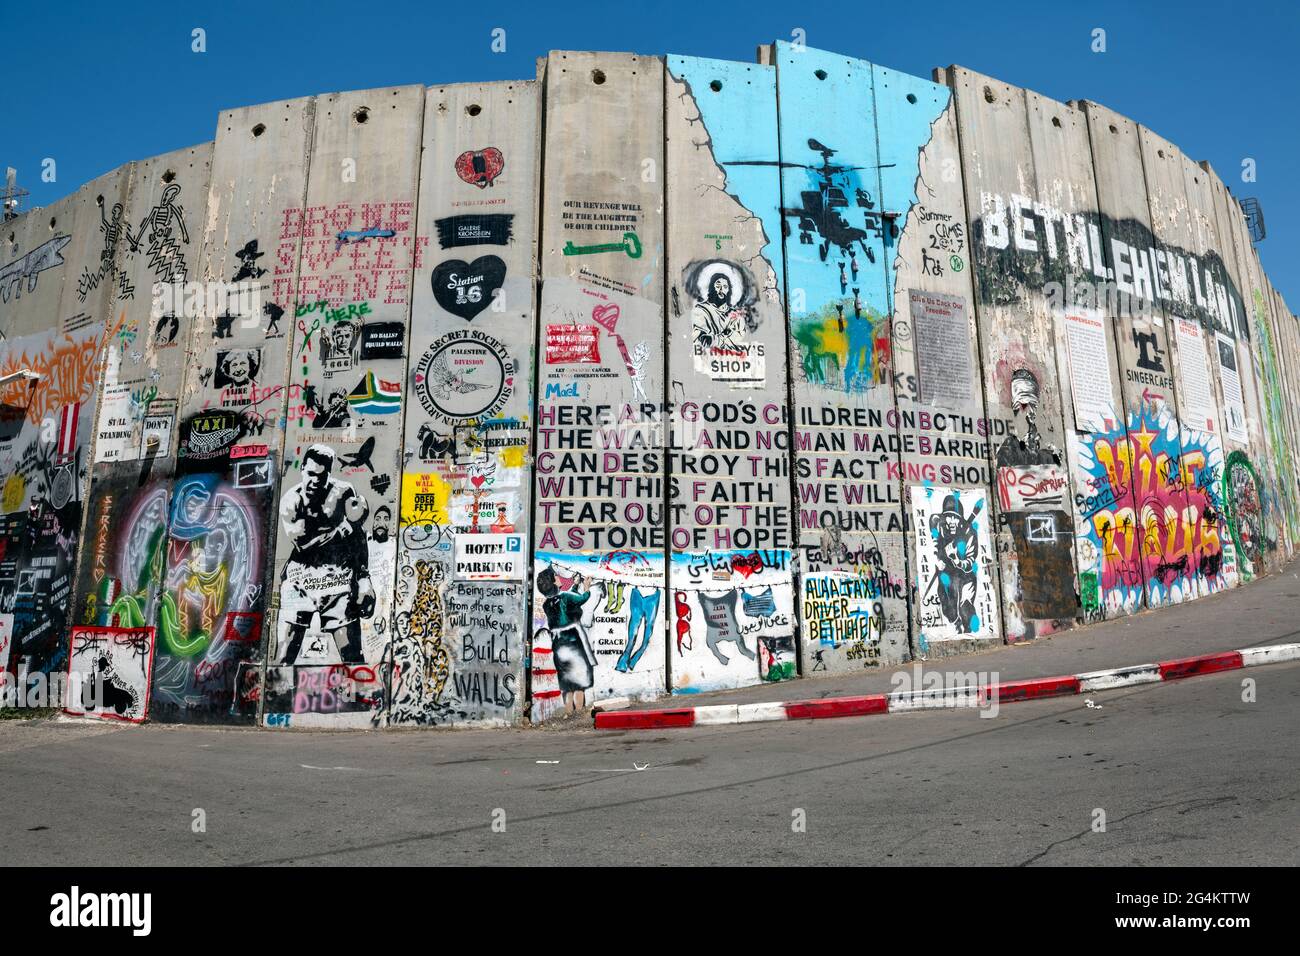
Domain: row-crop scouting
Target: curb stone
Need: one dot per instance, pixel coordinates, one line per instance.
(1007, 693)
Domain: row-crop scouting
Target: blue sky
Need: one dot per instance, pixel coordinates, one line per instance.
(99, 85)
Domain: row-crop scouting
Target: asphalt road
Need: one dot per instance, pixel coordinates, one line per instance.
(1186, 773)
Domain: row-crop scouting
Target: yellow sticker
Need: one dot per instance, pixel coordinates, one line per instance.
(424, 498)
(12, 500)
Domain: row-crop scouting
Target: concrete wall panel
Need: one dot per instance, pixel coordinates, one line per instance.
(47, 441)
(1015, 256)
(1246, 462)
(855, 579)
(1275, 500)
(335, 559)
(1086, 360)
(461, 599)
(1129, 560)
(1221, 305)
(162, 240)
(1288, 366)
(1168, 511)
(732, 620)
(943, 431)
(599, 606)
(33, 265)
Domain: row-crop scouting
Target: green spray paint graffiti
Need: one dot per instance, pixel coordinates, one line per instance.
(844, 346)
(1243, 505)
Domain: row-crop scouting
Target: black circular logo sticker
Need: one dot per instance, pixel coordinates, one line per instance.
(465, 375)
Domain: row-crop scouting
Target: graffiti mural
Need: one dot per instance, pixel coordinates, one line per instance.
(185, 559)
(598, 624)
(1153, 508)
(1244, 511)
(800, 402)
(44, 458)
(1032, 491)
(732, 613)
(1273, 400)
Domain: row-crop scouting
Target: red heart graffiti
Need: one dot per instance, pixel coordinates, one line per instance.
(606, 315)
(747, 564)
(479, 167)
(476, 481)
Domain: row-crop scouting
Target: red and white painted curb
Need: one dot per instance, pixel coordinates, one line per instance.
(970, 696)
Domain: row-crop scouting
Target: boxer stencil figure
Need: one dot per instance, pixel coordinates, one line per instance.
(327, 576)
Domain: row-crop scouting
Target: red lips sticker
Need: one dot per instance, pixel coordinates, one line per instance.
(479, 167)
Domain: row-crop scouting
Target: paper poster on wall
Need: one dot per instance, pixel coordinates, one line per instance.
(1032, 488)
(113, 437)
(1198, 407)
(943, 351)
(6, 640)
(1234, 409)
(110, 671)
(156, 437)
(1090, 380)
(954, 563)
(489, 557)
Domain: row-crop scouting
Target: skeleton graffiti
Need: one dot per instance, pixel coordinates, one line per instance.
(161, 227)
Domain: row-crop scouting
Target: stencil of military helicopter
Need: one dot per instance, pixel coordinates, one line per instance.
(819, 212)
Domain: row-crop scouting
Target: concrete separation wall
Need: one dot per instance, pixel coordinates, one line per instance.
(484, 403)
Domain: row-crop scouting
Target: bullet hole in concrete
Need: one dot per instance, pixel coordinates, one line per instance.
(1056, 121)
(820, 74)
(911, 97)
(1161, 153)
(473, 109)
(716, 86)
(259, 129)
(361, 115)
(598, 77)
(988, 95)
(1114, 128)
(168, 176)
(52, 222)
